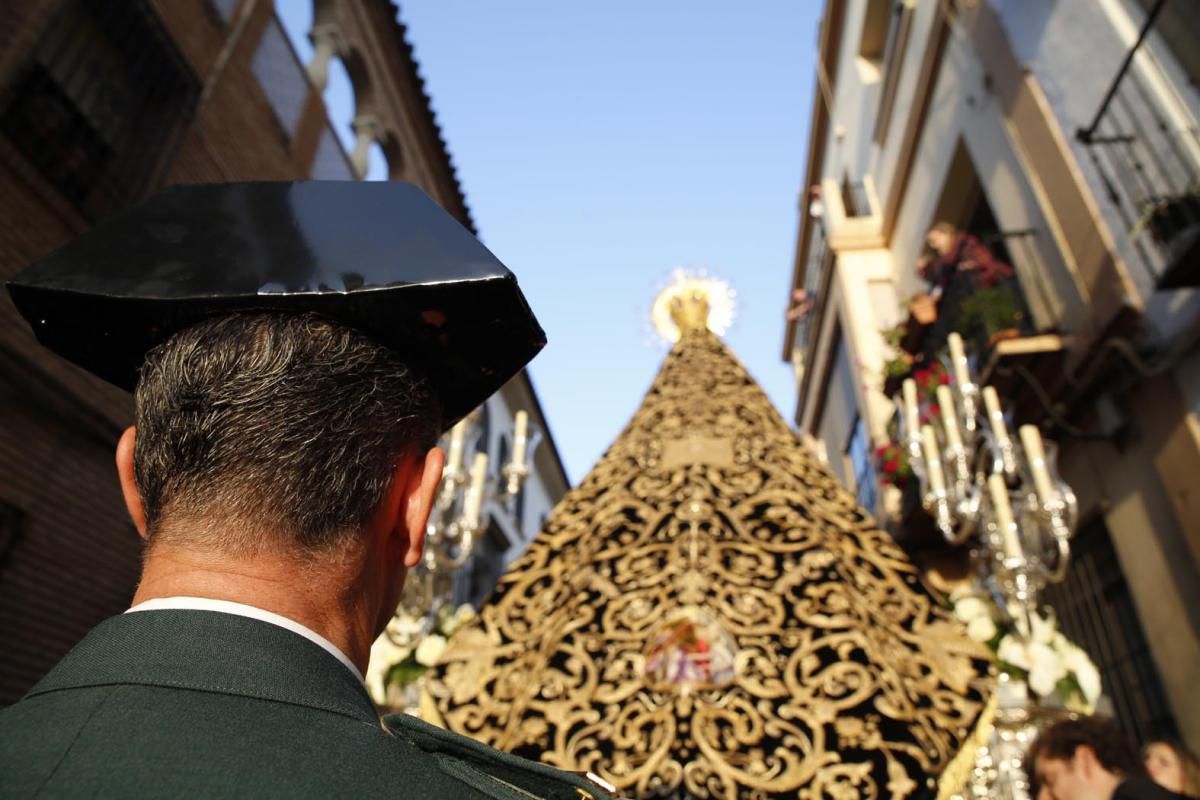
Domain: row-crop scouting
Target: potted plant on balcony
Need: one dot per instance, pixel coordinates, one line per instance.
(990, 316)
(1167, 217)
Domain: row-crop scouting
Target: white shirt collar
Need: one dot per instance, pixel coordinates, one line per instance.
(243, 610)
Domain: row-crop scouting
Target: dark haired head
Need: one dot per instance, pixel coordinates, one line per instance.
(256, 426)
(1100, 734)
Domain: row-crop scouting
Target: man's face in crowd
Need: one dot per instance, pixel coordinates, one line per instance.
(1079, 778)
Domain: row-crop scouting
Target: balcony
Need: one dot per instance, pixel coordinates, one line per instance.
(974, 293)
(852, 214)
(1148, 159)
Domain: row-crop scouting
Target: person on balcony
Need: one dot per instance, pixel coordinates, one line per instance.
(952, 252)
(972, 291)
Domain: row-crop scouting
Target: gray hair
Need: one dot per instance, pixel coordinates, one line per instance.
(252, 426)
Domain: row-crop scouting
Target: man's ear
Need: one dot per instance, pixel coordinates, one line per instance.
(1085, 760)
(125, 472)
(421, 479)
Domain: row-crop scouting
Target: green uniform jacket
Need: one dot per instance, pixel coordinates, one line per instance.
(200, 704)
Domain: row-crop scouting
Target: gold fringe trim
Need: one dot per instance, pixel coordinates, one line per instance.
(956, 774)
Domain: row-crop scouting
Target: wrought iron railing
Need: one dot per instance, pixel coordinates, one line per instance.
(1149, 163)
(1095, 609)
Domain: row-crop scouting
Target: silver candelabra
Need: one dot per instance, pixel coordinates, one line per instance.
(975, 478)
(464, 501)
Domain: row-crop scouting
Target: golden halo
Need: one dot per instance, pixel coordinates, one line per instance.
(687, 284)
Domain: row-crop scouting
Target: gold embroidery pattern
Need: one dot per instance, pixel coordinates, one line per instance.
(850, 680)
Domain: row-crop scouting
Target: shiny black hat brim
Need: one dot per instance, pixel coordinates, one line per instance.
(380, 258)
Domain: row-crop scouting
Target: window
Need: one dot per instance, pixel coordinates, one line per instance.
(281, 76)
(519, 511)
(1179, 26)
(854, 198)
(1096, 611)
(483, 570)
(858, 453)
(99, 103)
(839, 409)
(893, 58)
(876, 22)
(501, 454)
(484, 428)
(224, 8)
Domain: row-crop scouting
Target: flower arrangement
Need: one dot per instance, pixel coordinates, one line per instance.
(1055, 669)
(394, 667)
(893, 465)
(928, 379)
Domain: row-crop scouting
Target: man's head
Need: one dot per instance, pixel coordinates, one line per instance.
(275, 433)
(1080, 759)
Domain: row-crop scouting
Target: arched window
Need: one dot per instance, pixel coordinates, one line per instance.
(377, 164)
(483, 425)
(501, 453)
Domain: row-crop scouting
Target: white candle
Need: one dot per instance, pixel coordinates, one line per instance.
(474, 498)
(949, 416)
(958, 359)
(912, 417)
(1031, 440)
(1004, 517)
(933, 460)
(454, 458)
(991, 401)
(520, 438)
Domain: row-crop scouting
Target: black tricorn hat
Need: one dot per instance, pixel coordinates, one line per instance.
(382, 258)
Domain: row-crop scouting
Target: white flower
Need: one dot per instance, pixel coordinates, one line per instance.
(1086, 674)
(961, 591)
(384, 655)
(461, 616)
(1048, 669)
(1043, 630)
(1013, 650)
(981, 629)
(1043, 664)
(430, 649)
(403, 626)
(971, 608)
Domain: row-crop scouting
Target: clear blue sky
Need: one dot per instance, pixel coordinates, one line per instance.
(601, 145)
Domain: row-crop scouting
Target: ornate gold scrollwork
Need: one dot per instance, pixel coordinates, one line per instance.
(849, 679)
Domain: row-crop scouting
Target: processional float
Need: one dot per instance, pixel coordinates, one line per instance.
(710, 614)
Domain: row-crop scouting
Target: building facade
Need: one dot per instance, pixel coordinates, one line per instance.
(100, 104)
(1061, 140)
